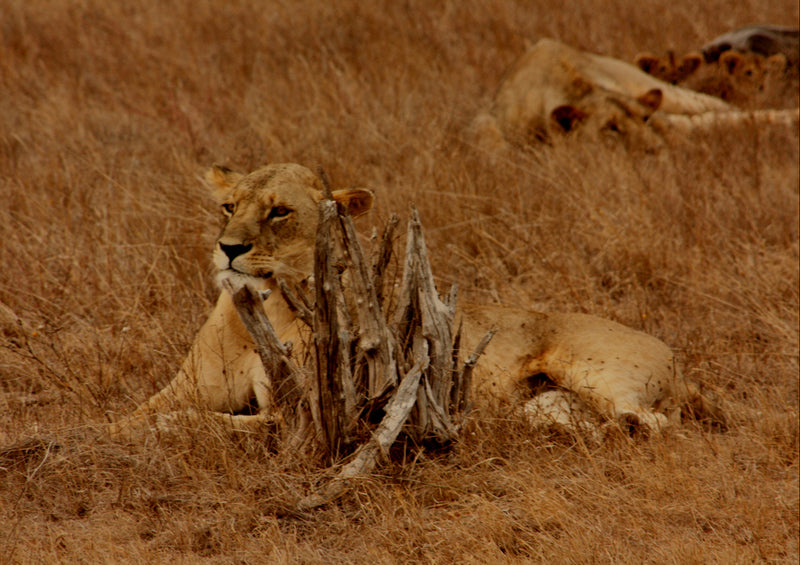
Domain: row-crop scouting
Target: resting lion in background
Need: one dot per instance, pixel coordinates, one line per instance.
(579, 363)
(555, 89)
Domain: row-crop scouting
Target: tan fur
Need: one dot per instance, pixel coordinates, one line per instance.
(669, 68)
(683, 125)
(554, 89)
(616, 372)
(747, 80)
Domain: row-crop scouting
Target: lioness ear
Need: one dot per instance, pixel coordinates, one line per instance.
(731, 60)
(568, 116)
(580, 87)
(777, 63)
(651, 99)
(689, 64)
(356, 200)
(646, 62)
(221, 180)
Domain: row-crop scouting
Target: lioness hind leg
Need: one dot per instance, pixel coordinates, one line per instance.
(565, 410)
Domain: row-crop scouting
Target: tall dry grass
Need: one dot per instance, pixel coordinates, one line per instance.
(108, 113)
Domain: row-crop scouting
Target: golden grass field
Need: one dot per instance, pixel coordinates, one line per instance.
(110, 111)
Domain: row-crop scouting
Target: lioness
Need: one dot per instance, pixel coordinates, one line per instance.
(555, 89)
(587, 362)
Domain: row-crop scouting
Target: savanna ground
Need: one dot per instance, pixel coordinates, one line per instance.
(110, 111)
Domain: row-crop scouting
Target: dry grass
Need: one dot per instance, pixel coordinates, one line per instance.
(110, 110)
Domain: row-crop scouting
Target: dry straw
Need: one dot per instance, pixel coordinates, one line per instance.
(110, 110)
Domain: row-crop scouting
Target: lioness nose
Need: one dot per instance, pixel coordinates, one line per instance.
(233, 251)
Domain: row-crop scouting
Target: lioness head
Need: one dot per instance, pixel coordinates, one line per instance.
(271, 222)
(751, 70)
(669, 68)
(604, 114)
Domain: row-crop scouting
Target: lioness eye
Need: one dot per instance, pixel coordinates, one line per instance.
(279, 212)
(228, 208)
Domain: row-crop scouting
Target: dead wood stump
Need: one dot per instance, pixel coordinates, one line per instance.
(400, 370)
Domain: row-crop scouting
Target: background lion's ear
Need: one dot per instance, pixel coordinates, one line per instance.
(356, 200)
(651, 99)
(689, 64)
(776, 63)
(646, 62)
(731, 60)
(221, 180)
(568, 117)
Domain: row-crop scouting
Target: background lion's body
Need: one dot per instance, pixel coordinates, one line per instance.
(604, 89)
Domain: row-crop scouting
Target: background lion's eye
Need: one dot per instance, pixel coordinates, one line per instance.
(228, 208)
(279, 212)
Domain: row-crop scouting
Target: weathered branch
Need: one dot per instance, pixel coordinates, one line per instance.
(376, 342)
(284, 375)
(365, 458)
(298, 303)
(383, 256)
(437, 320)
(327, 405)
(462, 403)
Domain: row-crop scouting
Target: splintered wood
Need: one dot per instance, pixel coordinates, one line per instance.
(401, 369)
